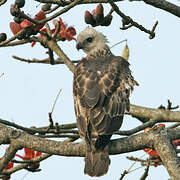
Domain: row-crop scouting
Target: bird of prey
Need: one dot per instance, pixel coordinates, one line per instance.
(101, 87)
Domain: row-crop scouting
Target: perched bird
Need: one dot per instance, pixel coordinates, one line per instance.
(101, 88)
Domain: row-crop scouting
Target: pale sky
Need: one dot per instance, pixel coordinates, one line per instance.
(28, 91)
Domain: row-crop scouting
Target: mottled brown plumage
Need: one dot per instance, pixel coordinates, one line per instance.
(101, 88)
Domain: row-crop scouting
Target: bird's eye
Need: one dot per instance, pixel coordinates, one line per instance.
(89, 39)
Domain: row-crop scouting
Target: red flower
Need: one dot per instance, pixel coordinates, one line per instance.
(15, 28)
(39, 16)
(25, 23)
(65, 32)
(9, 166)
(30, 154)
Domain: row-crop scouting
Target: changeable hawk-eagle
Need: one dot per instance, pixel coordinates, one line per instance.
(101, 88)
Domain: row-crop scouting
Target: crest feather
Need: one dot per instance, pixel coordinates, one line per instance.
(91, 32)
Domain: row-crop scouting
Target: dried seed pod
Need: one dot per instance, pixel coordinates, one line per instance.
(99, 9)
(99, 14)
(20, 3)
(88, 17)
(3, 37)
(107, 20)
(14, 11)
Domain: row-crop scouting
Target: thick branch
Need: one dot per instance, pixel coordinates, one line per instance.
(24, 165)
(143, 112)
(165, 5)
(162, 4)
(118, 146)
(2, 2)
(54, 47)
(167, 153)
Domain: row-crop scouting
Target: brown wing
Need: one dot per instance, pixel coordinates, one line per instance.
(101, 95)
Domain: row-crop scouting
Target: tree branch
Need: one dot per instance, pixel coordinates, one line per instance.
(166, 151)
(2, 2)
(42, 61)
(143, 112)
(118, 146)
(165, 5)
(131, 21)
(54, 47)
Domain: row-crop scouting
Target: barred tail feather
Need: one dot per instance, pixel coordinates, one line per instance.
(96, 163)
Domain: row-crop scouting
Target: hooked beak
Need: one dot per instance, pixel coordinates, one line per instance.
(79, 46)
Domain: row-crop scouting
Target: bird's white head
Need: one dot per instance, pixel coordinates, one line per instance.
(90, 40)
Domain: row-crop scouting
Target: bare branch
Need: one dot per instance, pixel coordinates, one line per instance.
(54, 47)
(145, 174)
(9, 154)
(140, 127)
(167, 153)
(165, 5)
(162, 4)
(2, 2)
(131, 21)
(52, 10)
(67, 8)
(118, 146)
(143, 112)
(34, 160)
(43, 61)
(61, 128)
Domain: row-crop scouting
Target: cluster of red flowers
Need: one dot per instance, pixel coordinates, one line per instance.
(15, 27)
(153, 153)
(65, 32)
(29, 154)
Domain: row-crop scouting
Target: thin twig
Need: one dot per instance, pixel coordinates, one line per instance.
(43, 61)
(48, 30)
(51, 56)
(142, 160)
(56, 100)
(43, 130)
(145, 174)
(150, 123)
(125, 40)
(131, 21)
(50, 113)
(67, 8)
(126, 27)
(60, 136)
(57, 28)
(174, 125)
(1, 75)
(51, 10)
